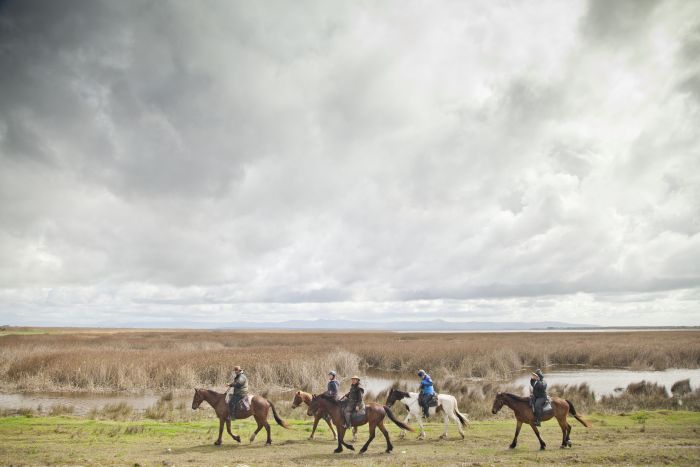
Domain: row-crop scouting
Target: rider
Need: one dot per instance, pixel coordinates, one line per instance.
(333, 385)
(240, 390)
(353, 400)
(426, 392)
(539, 394)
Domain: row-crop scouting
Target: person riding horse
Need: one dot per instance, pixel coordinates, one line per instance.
(539, 394)
(333, 385)
(240, 390)
(426, 392)
(353, 400)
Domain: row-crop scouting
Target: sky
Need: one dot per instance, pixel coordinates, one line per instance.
(180, 163)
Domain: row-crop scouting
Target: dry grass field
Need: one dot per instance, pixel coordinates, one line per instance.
(129, 360)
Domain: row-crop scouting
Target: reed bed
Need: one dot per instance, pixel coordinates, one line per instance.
(94, 361)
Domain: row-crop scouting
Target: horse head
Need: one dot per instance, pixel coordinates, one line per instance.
(395, 395)
(297, 400)
(197, 399)
(497, 403)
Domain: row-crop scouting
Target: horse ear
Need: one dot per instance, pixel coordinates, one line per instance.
(298, 393)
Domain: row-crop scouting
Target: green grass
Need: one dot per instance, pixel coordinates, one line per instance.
(637, 438)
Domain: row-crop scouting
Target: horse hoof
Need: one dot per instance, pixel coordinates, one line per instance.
(350, 447)
(569, 444)
(512, 446)
(237, 439)
(443, 436)
(337, 450)
(362, 451)
(217, 443)
(541, 448)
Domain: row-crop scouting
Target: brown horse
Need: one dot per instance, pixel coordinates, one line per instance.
(302, 397)
(259, 409)
(374, 416)
(524, 414)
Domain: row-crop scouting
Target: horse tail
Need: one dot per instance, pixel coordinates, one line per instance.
(398, 422)
(572, 410)
(279, 421)
(462, 418)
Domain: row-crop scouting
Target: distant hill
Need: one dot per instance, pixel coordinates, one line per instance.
(431, 325)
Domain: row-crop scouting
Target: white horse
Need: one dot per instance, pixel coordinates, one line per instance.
(446, 404)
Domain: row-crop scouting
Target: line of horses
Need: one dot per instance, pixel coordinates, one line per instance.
(330, 409)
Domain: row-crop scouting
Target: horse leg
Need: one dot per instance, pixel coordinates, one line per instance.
(447, 421)
(369, 440)
(421, 435)
(313, 431)
(458, 423)
(517, 432)
(568, 434)
(354, 434)
(537, 432)
(330, 425)
(255, 433)
(269, 438)
(341, 432)
(564, 431)
(228, 428)
(221, 431)
(389, 446)
(402, 434)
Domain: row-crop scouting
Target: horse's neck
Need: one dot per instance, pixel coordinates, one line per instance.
(212, 397)
(305, 397)
(511, 403)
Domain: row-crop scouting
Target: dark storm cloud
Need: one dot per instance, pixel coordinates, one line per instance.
(212, 160)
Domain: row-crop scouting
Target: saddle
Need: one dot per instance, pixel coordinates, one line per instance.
(547, 408)
(433, 401)
(357, 416)
(243, 404)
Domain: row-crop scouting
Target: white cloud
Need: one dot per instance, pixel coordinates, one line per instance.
(206, 162)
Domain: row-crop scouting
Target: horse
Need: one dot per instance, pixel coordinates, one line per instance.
(524, 414)
(304, 397)
(373, 415)
(259, 409)
(446, 404)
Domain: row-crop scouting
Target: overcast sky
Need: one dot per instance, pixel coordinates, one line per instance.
(206, 162)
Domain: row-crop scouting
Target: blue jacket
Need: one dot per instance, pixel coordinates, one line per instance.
(426, 385)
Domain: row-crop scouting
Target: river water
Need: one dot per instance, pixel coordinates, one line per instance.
(602, 382)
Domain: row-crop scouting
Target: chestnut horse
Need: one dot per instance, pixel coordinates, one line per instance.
(374, 416)
(524, 414)
(259, 409)
(302, 397)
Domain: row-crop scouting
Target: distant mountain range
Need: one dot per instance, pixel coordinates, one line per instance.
(431, 325)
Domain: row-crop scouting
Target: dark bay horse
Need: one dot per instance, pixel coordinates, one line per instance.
(259, 409)
(524, 414)
(374, 416)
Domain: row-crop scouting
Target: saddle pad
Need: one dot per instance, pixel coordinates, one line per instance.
(433, 402)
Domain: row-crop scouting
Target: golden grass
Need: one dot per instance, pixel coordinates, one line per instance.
(180, 360)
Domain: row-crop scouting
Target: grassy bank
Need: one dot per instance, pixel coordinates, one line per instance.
(178, 360)
(633, 438)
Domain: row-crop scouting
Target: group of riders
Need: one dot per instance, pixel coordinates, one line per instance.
(353, 400)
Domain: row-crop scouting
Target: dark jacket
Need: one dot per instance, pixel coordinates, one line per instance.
(333, 388)
(355, 396)
(539, 388)
(240, 385)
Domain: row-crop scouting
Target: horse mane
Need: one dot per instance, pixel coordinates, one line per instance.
(400, 392)
(328, 398)
(515, 397)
